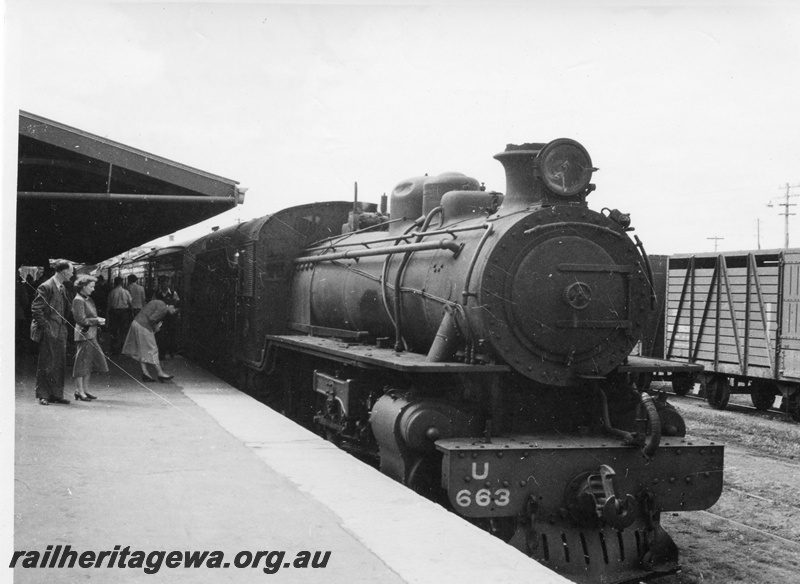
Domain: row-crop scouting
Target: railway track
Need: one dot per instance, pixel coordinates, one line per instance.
(754, 529)
(752, 534)
(735, 407)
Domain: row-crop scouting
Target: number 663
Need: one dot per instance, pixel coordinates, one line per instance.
(483, 497)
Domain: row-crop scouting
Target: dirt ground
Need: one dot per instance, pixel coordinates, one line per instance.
(752, 534)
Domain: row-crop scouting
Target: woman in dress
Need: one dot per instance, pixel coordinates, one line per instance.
(167, 337)
(141, 340)
(88, 357)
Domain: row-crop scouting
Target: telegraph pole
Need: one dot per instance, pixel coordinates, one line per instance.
(786, 204)
(716, 239)
(758, 232)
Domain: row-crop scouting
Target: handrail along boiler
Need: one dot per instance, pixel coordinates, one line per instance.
(477, 346)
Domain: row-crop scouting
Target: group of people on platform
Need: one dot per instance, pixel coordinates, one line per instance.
(133, 324)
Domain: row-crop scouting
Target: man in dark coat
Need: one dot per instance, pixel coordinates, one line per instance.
(120, 306)
(50, 311)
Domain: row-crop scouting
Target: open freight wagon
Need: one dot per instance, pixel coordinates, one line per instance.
(737, 314)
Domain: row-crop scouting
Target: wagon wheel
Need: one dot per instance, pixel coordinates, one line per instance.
(682, 383)
(718, 391)
(763, 395)
(793, 405)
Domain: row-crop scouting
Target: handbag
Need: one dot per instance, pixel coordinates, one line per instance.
(36, 332)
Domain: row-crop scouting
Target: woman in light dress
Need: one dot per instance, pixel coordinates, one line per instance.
(141, 340)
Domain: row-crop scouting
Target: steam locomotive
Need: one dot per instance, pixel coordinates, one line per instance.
(476, 347)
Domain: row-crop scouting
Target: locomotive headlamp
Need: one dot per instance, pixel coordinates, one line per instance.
(565, 167)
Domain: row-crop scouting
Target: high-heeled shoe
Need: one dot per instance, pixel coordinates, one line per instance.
(147, 378)
(79, 397)
(89, 395)
(165, 378)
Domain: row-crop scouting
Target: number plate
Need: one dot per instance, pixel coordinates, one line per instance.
(497, 479)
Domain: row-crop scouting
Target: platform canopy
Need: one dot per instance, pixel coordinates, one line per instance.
(87, 198)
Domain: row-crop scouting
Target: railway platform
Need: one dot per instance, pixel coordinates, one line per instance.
(194, 481)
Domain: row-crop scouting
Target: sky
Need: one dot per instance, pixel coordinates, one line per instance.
(689, 112)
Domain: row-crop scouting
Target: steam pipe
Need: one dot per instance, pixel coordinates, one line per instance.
(651, 441)
(361, 253)
(411, 235)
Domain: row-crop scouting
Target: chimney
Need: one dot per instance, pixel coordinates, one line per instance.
(523, 187)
